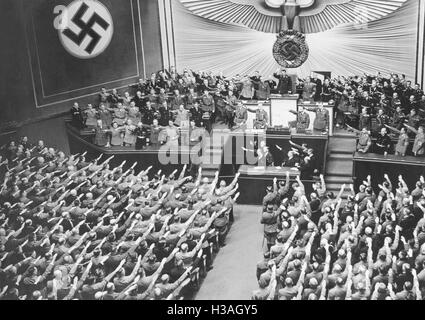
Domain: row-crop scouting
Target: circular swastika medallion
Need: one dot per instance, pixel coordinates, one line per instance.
(89, 29)
(291, 49)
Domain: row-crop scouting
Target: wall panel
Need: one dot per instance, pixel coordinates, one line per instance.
(41, 79)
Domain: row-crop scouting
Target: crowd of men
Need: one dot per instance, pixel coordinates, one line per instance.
(159, 109)
(379, 108)
(74, 228)
(172, 107)
(367, 246)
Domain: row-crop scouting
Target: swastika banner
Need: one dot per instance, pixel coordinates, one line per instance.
(76, 47)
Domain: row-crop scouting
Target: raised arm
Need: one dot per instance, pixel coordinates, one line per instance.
(411, 128)
(272, 285)
(393, 129)
(416, 286)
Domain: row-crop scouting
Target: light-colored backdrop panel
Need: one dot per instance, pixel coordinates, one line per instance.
(387, 45)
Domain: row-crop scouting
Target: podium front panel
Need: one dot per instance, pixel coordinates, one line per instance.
(281, 111)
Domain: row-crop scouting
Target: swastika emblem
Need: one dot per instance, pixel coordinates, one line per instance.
(291, 49)
(89, 29)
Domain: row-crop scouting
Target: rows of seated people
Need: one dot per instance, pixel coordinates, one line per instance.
(369, 246)
(71, 228)
(158, 109)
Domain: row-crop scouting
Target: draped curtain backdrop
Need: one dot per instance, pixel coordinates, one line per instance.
(387, 45)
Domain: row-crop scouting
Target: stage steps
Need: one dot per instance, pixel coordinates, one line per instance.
(339, 167)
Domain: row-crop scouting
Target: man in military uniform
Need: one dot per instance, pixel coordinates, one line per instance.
(412, 104)
(398, 118)
(422, 103)
(395, 101)
(309, 90)
(374, 91)
(413, 119)
(384, 103)
(382, 119)
(364, 121)
(408, 92)
(152, 98)
(231, 104)
(383, 142)
(162, 97)
(191, 98)
(364, 141)
(265, 158)
(269, 220)
(418, 93)
(303, 119)
(262, 90)
(177, 100)
(261, 117)
(241, 115)
(321, 123)
(285, 82)
(220, 106)
(101, 135)
(419, 144)
(208, 108)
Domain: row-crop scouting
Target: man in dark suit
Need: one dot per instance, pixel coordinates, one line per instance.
(148, 114)
(383, 143)
(196, 114)
(285, 82)
(77, 117)
(165, 115)
(319, 84)
(139, 100)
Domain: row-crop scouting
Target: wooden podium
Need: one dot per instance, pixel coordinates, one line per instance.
(281, 106)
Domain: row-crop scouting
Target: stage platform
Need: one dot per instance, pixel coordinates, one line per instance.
(239, 139)
(394, 140)
(253, 182)
(80, 142)
(377, 165)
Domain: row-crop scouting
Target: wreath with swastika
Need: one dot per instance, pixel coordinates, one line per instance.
(291, 49)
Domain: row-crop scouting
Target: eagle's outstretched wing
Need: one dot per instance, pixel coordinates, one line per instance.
(254, 14)
(315, 15)
(324, 14)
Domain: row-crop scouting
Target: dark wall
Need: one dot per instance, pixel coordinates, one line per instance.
(151, 35)
(33, 58)
(16, 89)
